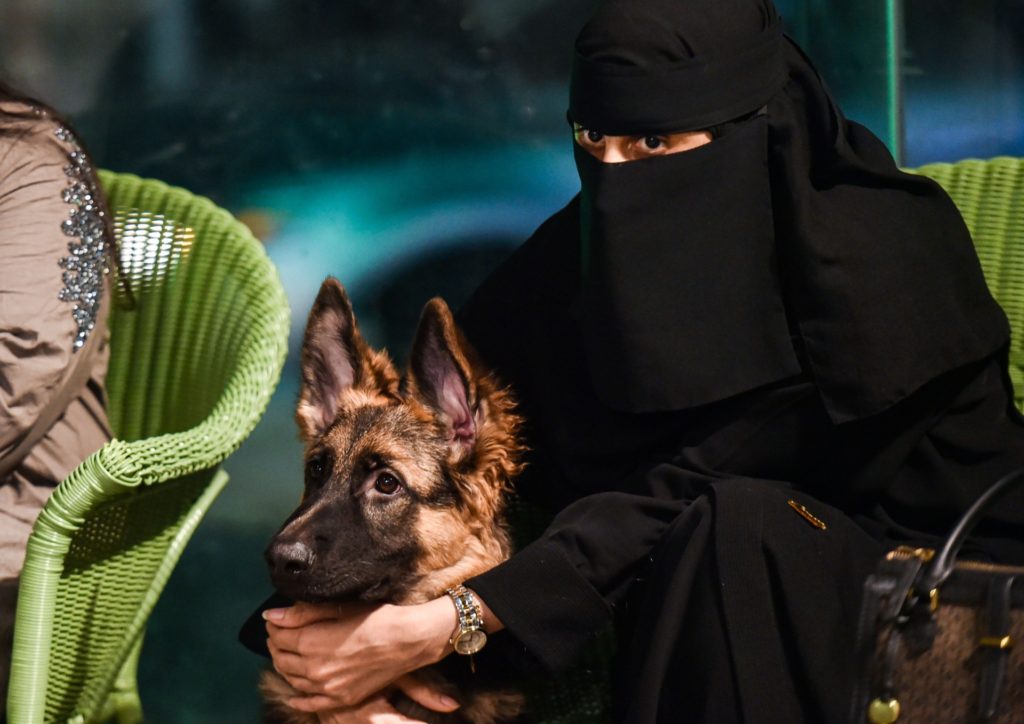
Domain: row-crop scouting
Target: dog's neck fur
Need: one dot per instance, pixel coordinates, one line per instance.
(482, 549)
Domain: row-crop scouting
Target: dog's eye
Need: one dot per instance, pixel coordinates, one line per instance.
(387, 484)
(316, 470)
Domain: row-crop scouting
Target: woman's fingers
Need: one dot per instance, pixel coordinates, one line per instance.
(284, 639)
(395, 718)
(425, 695)
(304, 686)
(421, 693)
(294, 670)
(375, 710)
(316, 638)
(286, 662)
(301, 614)
(313, 704)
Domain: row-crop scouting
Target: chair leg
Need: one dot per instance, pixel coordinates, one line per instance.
(130, 711)
(123, 704)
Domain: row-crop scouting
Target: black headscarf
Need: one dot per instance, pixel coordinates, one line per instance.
(791, 244)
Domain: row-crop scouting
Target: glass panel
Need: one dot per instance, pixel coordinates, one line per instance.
(853, 46)
(964, 79)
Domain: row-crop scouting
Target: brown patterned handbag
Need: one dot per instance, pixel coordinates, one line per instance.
(936, 636)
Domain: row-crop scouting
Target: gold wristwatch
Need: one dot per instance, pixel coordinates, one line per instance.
(469, 636)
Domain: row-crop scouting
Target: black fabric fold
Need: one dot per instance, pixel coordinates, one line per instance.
(620, 99)
(882, 278)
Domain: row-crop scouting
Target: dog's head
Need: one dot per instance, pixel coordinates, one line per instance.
(404, 477)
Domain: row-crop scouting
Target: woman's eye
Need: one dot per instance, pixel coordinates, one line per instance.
(653, 142)
(387, 484)
(594, 136)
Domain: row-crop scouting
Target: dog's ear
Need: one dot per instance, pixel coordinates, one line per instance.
(335, 358)
(441, 375)
(483, 428)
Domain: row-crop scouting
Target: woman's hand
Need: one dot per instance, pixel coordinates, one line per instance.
(377, 710)
(339, 656)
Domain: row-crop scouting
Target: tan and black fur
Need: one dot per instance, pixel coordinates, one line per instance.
(405, 478)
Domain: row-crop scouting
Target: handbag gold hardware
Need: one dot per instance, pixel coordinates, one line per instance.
(884, 711)
(1002, 643)
(903, 553)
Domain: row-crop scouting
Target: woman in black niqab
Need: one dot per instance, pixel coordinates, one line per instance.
(700, 338)
(702, 343)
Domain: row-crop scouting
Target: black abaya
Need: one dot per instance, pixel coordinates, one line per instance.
(744, 610)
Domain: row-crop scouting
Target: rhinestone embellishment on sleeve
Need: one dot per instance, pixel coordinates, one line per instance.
(87, 264)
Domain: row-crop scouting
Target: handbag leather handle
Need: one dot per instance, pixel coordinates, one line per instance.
(941, 565)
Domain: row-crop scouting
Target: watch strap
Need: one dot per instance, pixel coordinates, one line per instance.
(470, 615)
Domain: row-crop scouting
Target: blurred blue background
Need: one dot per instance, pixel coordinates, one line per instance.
(406, 147)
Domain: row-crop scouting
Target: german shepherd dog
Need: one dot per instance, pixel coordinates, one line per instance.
(405, 479)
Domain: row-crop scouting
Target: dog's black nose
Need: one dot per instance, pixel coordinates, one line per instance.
(289, 557)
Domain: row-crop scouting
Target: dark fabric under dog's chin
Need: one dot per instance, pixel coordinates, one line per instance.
(253, 634)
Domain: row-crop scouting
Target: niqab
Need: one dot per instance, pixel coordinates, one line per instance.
(656, 232)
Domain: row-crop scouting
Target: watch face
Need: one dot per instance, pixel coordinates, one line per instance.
(469, 642)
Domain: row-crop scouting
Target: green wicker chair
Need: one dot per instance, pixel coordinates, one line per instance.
(193, 364)
(990, 195)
